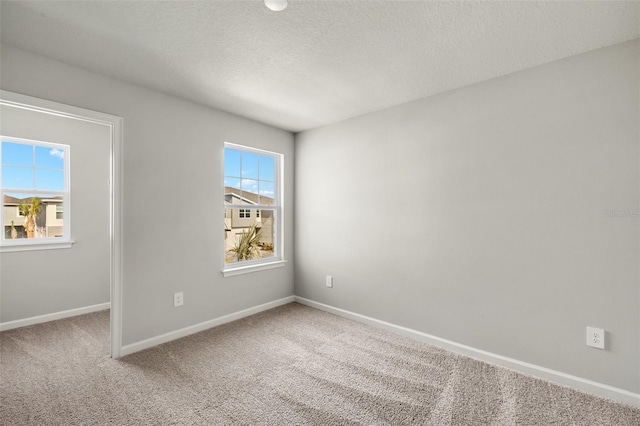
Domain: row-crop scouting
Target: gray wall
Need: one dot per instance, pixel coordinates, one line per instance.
(172, 151)
(35, 283)
(479, 215)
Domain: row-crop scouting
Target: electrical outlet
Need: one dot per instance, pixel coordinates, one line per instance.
(178, 299)
(595, 337)
(329, 281)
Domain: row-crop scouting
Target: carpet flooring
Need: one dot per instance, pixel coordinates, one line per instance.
(290, 365)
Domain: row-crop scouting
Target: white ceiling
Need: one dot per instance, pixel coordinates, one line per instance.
(317, 62)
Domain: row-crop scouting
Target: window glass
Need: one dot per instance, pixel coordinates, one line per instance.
(50, 180)
(250, 236)
(17, 154)
(17, 177)
(49, 158)
(251, 179)
(34, 190)
(250, 166)
(232, 163)
(267, 169)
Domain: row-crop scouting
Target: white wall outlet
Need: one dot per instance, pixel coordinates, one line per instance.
(595, 337)
(178, 299)
(329, 281)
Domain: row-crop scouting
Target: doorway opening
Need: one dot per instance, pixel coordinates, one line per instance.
(92, 151)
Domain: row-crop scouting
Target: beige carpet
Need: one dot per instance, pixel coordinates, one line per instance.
(290, 365)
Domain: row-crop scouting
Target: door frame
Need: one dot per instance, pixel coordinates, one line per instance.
(114, 124)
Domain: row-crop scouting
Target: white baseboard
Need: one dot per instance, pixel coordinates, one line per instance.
(558, 377)
(54, 316)
(177, 334)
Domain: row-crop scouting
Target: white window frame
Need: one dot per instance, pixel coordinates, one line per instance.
(277, 260)
(26, 244)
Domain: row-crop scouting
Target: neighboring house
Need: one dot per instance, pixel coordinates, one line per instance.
(49, 222)
(238, 220)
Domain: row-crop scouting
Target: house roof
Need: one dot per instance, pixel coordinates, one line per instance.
(8, 200)
(11, 200)
(249, 196)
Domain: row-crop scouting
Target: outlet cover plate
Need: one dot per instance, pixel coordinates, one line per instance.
(595, 337)
(178, 299)
(329, 281)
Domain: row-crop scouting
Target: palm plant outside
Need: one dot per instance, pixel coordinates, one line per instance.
(248, 247)
(30, 211)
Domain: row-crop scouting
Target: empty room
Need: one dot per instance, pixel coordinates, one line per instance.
(318, 212)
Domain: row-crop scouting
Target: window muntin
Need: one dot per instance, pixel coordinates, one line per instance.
(34, 186)
(252, 206)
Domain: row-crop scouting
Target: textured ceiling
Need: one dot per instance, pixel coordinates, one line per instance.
(317, 62)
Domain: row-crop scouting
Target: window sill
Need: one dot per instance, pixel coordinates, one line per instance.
(229, 272)
(30, 246)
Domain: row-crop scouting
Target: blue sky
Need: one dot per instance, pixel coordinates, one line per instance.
(32, 167)
(249, 172)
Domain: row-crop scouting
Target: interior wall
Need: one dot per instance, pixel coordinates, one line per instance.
(502, 216)
(172, 195)
(41, 282)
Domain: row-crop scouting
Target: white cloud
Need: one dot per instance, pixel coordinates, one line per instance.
(57, 153)
(248, 182)
(265, 192)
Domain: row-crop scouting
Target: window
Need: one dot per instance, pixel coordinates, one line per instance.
(253, 209)
(34, 185)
